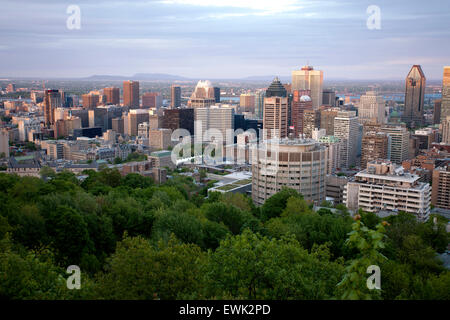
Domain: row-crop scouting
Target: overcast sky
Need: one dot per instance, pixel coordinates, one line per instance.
(224, 38)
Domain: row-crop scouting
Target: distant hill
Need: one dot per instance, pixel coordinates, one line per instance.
(138, 76)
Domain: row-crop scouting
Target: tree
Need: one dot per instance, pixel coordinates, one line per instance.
(274, 206)
(137, 270)
(368, 242)
(250, 266)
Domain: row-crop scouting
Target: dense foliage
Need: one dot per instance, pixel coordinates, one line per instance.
(133, 239)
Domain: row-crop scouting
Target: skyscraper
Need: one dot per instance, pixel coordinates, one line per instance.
(217, 94)
(90, 100)
(275, 119)
(301, 101)
(437, 111)
(151, 100)
(303, 167)
(414, 97)
(445, 106)
(346, 128)
(131, 94)
(399, 142)
(311, 121)
(327, 120)
(203, 95)
(52, 100)
(175, 97)
(309, 79)
(112, 95)
(371, 108)
(247, 102)
(259, 103)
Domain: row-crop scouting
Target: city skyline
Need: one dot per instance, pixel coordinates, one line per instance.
(190, 37)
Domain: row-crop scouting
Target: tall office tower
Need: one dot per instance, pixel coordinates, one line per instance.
(213, 118)
(384, 186)
(112, 95)
(399, 142)
(329, 98)
(217, 94)
(327, 120)
(52, 100)
(134, 118)
(203, 95)
(301, 164)
(445, 130)
(175, 97)
(90, 100)
(151, 100)
(437, 111)
(118, 125)
(445, 108)
(131, 94)
(247, 102)
(371, 108)
(301, 101)
(275, 119)
(309, 79)
(259, 103)
(440, 195)
(346, 128)
(101, 117)
(311, 121)
(414, 97)
(375, 146)
(179, 119)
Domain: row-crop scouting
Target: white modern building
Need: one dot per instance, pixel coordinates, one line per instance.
(385, 187)
(346, 128)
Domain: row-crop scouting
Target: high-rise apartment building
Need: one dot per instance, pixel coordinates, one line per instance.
(276, 106)
(414, 97)
(346, 128)
(90, 100)
(327, 120)
(301, 101)
(175, 97)
(152, 100)
(4, 142)
(329, 98)
(384, 186)
(299, 164)
(440, 196)
(217, 118)
(52, 100)
(179, 119)
(133, 119)
(311, 121)
(375, 146)
(309, 79)
(247, 102)
(334, 152)
(112, 95)
(399, 142)
(131, 94)
(371, 108)
(445, 107)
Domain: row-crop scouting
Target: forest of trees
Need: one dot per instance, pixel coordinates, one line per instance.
(133, 239)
